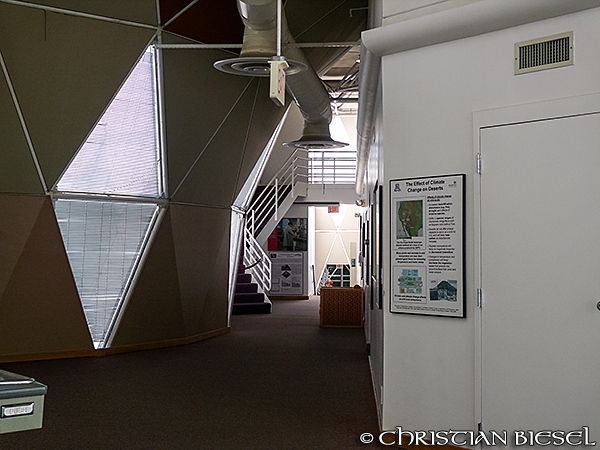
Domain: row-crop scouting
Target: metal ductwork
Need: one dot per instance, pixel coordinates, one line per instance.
(303, 84)
(367, 86)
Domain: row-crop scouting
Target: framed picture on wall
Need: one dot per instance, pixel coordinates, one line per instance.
(291, 235)
(427, 226)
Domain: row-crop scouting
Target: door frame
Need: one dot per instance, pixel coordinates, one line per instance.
(498, 117)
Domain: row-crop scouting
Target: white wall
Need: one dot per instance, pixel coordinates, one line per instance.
(429, 95)
(398, 11)
(333, 235)
(329, 237)
(374, 313)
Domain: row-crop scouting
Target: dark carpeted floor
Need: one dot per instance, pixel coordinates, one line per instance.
(277, 381)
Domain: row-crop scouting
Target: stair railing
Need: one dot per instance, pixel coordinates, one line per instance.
(332, 167)
(257, 261)
(264, 208)
(266, 205)
(322, 280)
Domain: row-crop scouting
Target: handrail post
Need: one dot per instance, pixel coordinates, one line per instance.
(276, 199)
(334, 170)
(294, 164)
(323, 171)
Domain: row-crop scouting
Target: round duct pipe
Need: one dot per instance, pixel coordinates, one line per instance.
(303, 84)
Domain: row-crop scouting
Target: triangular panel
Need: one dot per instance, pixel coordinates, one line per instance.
(170, 38)
(215, 312)
(18, 214)
(324, 242)
(104, 241)
(17, 170)
(265, 118)
(153, 312)
(323, 220)
(208, 21)
(291, 130)
(329, 22)
(223, 156)
(338, 255)
(121, 155)
(39, 309)
(140, 11)
(201, 239)
(72, 69)
(197, 100)
(170, 8)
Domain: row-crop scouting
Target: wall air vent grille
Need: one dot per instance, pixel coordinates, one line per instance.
(544, 53)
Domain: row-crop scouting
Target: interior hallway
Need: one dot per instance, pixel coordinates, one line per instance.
(277, 381)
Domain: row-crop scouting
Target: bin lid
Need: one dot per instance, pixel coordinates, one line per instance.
(14, 385)
(14, 378)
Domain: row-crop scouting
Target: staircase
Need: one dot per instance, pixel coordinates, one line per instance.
(270, 204)
(247, 299)
(268, 207)
(274, 199)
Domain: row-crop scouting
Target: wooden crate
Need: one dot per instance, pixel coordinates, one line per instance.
(341, 307)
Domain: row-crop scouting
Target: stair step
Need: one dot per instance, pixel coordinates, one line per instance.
(249, 297)
(252, 308)
(244, 278)
(246, 288)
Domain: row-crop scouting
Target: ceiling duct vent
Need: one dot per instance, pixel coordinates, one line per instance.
(544, 53)
(256, 66)
(302, 82)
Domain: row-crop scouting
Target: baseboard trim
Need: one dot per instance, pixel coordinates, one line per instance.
(84, 353)
(42, 356)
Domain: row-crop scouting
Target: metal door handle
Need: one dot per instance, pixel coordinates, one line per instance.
(598, 306)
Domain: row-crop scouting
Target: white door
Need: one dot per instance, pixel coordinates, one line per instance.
(540, 277)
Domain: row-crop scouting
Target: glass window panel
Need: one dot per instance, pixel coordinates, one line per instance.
(104, 241)
(121, 156)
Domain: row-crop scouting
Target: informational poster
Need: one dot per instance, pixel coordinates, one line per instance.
(287, 274)
(427, 237)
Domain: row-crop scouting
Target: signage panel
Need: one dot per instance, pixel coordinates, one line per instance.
(427, 237)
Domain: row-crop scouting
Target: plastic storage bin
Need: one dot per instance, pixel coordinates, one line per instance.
(21, 402)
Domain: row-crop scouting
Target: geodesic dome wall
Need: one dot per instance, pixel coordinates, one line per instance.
(158, 257)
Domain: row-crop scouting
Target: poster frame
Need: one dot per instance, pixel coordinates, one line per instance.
(460, 250)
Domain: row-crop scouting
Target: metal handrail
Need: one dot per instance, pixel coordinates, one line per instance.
(322, 280)
(324, 168)
(264, 207)
(255, 263)
(326, 275)
(261, 268)
(302, 166)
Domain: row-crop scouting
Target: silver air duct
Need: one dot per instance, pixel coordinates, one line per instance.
(260, 47)
(368, 81)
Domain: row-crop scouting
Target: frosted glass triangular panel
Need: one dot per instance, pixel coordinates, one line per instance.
(104, 241)
(121, 154)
